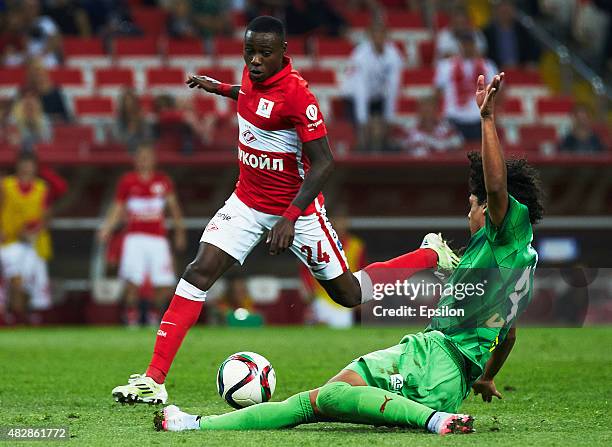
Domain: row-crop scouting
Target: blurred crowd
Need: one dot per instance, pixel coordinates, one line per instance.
(480, 37)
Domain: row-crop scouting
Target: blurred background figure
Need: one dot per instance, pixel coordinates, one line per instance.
(25, 241)
(324, 309)
(44, 38)
(371, 87)
(142, 198)
(508, 43)
(51, 95)
(13, 50)
(212, 17)
(448, 41)
(69, 16)
(432, 134)
(131, 127)
(454, 82)
(181, 23)
(582, 137)
(30, 124)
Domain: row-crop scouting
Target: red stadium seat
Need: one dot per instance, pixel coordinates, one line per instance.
(204, 104)
(225, 46)
(185, 47)
(358, 19)
(79, 46)
(555, 106)
(220, 74)
(511, 106)
(146, 103)
(531, 137)
(407, 106)
(70, 134)
(67, 77)
(334, 47)
(320, 76)
(94, 107)
(426, 50)
(441, 20)
(135, 46)
(338, 108)
(150, 20)
(519, 77)
(164, 77)
(418, 76)
(404, 19)
(239, 19)
(296, 46)
(342, 137)
(12, 77)
(114, 77)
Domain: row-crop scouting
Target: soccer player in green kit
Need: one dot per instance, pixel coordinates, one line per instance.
(422, 381)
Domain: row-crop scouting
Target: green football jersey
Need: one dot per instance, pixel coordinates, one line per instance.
(491, 286)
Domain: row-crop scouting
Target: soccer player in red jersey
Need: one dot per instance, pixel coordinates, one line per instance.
(143, 196)
(284, 160)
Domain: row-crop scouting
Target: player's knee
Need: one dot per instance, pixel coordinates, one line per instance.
(199, 274)
(347, 298)
(330, 396)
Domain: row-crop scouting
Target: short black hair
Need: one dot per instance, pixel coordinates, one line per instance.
(523, 184)
(267, 24)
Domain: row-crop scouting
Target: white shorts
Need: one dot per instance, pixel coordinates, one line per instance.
(146, 255)
(331, 314)
(19, 259)
(237, 229)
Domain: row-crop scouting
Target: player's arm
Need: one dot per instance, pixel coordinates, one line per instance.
(180, 235)
(213, 86)
(493, 162)
(485, 384)
(321, 166)
(111, 221)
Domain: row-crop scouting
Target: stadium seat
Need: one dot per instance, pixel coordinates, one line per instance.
(526, 84)
(136, 52)
(333, 52)
(152, 21)
(555, 111)
(532, 137)
(342, 137)
(512, 112)
(186, 53)
(402, 19)
(165, 78)
(358, 19)
(297, 49)
(71, 80)
(319, 76)
(84, 52)
(204, 104)
(426, 50)
(226, 75)
(10, 80)
(94, 107)
(115, 78)
(418, 81)
(407, 106)
(229, 51)
(338, 108)
(66, 134)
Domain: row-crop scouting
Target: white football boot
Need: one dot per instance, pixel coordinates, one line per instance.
(172, 418)
(447, 259)
(141, 389)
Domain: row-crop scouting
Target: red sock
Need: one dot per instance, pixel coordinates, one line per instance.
(402, 267)
(180, 316)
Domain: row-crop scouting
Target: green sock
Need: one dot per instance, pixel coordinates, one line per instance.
(370, 405)
(270, 415)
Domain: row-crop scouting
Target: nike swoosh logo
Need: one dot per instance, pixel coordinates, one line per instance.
(167, 322)
(241, 92)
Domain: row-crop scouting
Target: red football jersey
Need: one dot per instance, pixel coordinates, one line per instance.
(275, 117)
(145, 202)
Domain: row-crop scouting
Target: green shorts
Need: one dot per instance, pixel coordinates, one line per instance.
(424, 367)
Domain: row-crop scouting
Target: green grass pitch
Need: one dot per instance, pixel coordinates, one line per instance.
(557, 382)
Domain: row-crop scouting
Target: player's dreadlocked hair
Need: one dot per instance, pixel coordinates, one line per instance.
(523, 184)
(267, 24)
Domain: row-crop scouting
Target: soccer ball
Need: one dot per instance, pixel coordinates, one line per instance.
(246, 379)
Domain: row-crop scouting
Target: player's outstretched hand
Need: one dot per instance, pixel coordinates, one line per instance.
(485, 96)
(281, 236)
(487, 389)
(204, 82)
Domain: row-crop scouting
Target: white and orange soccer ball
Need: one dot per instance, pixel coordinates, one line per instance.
(245, 379)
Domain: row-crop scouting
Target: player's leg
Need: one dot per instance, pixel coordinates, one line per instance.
(132, 270)
(161, 272)
(13, 256)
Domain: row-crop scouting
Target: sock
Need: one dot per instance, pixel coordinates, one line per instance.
(270, 415)
(400, 268)
(180, 316)
(370, 405)
(436, 419)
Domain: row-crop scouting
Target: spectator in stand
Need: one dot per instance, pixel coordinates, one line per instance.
(581, 139)
(212, 17)
(131, 127)
(69, 16)
(432, 134)
(448, 43)
(509, 44)
(31, 126)
(371, 88)
(181, 24)
(44, 39)
(25, 242)
(13, 39)
(143, 196)
(454, 81)
(51, 95)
